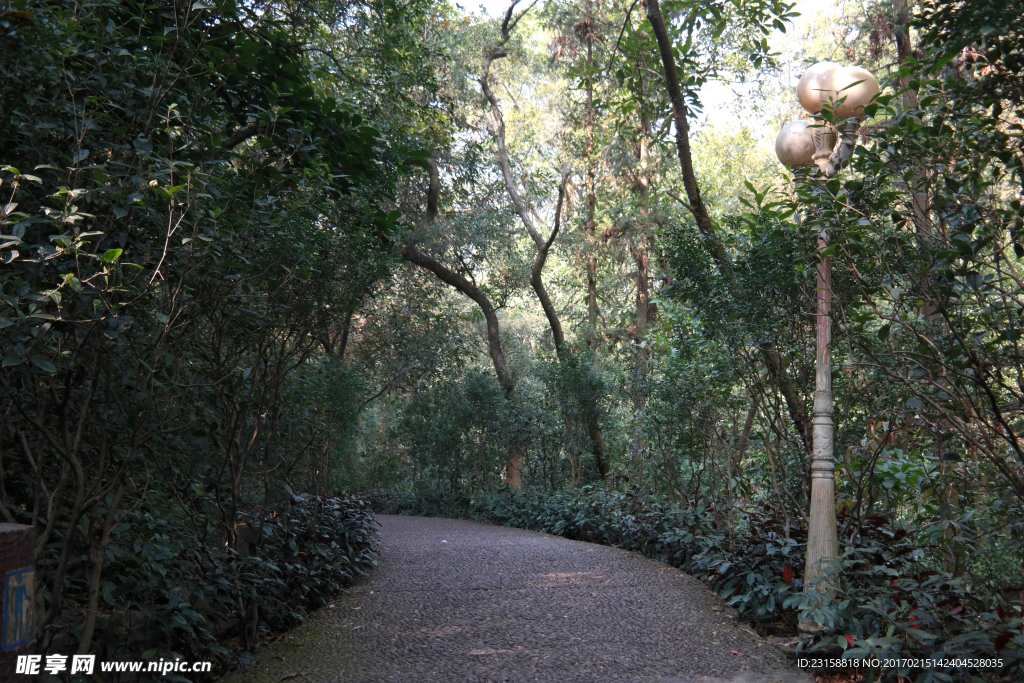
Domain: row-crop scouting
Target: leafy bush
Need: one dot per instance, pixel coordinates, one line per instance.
(891, 602)
(167, 594)
(457, 430)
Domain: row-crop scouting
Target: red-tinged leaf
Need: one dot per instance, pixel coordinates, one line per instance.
(849, 639)
(787, 574)
(957, 610)
(1001, 642)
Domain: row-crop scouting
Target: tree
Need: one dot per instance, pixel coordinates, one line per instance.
(188, 217)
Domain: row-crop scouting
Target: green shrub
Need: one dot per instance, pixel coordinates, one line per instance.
(166, 594)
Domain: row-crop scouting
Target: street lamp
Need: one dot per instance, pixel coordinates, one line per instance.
(845, 90)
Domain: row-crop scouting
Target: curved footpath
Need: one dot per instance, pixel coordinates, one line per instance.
(469, 602)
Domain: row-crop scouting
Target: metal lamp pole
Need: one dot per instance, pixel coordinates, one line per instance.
(801, 145)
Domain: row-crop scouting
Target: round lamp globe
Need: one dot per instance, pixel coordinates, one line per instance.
(811, 90)
(857, 85)
(795, 144)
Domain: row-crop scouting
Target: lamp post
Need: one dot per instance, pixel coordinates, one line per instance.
(845, 91)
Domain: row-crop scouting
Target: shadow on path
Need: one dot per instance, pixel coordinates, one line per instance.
(462, 601)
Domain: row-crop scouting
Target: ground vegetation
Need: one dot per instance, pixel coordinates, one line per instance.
(539, 269)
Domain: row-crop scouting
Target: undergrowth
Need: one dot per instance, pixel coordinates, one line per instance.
(167, 594)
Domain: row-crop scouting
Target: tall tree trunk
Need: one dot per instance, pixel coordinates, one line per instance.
(695, 204)
(640, 245)
(591, 181)
(797, 408)
(543, 245)
(343, 344)
(641, 248)
(593, 424)
(904, 49)
(735, 465)
(497, 51)
(97, 555)
(918, 184)
(410, 253)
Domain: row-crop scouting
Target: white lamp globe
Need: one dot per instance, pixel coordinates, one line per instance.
(811, 90)
(795, 144)
(856, 84)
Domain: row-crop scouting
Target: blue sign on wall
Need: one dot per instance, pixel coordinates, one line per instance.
(19, 613)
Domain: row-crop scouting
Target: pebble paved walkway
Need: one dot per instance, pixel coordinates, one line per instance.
(468, 602)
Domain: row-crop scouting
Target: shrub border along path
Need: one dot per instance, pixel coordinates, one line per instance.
(454, 600)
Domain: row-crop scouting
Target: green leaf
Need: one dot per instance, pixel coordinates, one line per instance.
(43, 363)
(112, 255)
(168, 192)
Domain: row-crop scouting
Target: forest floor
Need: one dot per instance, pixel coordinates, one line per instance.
(468, 602)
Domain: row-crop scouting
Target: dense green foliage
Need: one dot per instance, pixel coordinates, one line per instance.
(173, 595)
(709, 408)
(258, 253)
(190, 218)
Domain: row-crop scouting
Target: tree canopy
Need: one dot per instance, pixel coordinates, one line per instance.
(265, 264)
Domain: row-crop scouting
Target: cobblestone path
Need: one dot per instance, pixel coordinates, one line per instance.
(468, 602)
